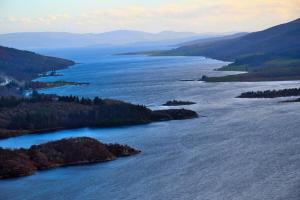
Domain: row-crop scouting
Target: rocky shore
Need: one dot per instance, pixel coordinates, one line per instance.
(71, 151)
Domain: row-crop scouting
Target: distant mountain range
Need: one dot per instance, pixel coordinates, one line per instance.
(31, 40)
(271, 54)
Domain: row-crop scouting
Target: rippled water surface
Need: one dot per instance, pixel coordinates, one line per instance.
(238, 149)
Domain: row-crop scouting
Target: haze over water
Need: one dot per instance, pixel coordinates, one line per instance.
(237, 149)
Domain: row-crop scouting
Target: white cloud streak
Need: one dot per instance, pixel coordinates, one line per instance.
(194, 15)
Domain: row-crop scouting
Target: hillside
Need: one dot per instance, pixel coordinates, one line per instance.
(274, 52)
(64, 152)
(212, 39)
(26, 65)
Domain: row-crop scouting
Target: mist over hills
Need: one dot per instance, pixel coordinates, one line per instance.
(31, 40)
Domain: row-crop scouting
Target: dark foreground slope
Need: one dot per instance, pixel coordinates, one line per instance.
(46, 113)
(270, 54)
(72, 151)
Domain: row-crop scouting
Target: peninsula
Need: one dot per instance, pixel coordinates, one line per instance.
(18, 68)
(42, 113)
(64, 152)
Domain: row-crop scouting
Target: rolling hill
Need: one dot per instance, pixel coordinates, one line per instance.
(213, 39)
(26, 65)
(271, 53)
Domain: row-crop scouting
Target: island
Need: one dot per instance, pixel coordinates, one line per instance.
(44, 113)
(178, 103)
(64, 152)
(271, 93)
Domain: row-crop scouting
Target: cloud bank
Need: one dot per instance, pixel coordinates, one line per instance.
(190, 15)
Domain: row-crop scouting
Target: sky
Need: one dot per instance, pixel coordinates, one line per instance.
(94, 16)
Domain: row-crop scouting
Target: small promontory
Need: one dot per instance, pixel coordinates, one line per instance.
(71, 151)
(178, 103)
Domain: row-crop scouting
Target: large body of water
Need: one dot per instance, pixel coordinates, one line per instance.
(239, 149)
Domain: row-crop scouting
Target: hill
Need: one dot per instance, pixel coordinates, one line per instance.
(212, 39)
(274, 52)
(26, 65)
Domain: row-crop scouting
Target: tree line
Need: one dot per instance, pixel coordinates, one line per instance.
(12, 101)
(271, 93)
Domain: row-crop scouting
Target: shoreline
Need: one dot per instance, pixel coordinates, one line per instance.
(17, 133)
(46, 113)
(72, 151)
(242, 76)
(51, 130)
(17, 88)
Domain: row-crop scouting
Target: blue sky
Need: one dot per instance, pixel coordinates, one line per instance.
(145, 15)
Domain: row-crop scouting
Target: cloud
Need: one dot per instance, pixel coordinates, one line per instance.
(192, 15)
